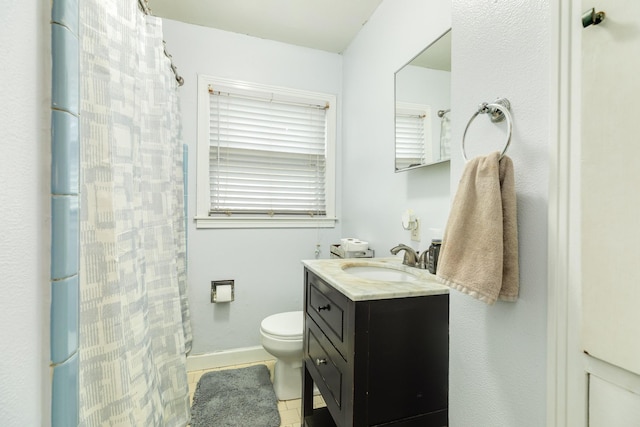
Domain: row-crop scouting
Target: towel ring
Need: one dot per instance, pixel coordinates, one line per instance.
(499, 110)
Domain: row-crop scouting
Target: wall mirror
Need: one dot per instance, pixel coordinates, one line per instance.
(422, 105)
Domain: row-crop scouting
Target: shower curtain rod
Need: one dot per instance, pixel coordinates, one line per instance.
(147, 11)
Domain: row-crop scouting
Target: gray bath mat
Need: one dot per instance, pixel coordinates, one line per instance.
(235, 398)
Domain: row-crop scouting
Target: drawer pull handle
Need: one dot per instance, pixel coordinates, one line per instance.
(324, 307)
(321, 361)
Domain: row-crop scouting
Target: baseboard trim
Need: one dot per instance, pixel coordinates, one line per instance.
(219, 359)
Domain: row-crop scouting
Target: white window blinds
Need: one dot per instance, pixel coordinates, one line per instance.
(412, 135)
(267, 153)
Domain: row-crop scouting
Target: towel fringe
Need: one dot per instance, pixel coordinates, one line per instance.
(477, 295)
(465, 290)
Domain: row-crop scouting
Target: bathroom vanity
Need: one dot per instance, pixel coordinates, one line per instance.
(378, 350)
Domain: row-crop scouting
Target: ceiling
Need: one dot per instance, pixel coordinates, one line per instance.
(328, 25)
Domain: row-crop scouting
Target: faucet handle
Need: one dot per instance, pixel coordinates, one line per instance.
(423, 259)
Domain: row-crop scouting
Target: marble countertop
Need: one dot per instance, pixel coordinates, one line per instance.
(359, 289)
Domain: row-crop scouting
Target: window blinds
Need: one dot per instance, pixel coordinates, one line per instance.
(267, 154)
(410, 137)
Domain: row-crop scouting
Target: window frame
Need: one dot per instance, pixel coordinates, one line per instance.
(203, 196)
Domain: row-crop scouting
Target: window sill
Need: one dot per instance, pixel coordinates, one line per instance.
(274, 222)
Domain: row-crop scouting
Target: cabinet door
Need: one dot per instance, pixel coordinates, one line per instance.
(610, 202)
(612, 405)
(610, 183)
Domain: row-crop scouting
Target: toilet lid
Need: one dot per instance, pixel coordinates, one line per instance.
(285, 325)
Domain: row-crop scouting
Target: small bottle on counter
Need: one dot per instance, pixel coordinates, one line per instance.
(434, 252)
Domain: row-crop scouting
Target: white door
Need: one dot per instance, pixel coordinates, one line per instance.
(610, 213)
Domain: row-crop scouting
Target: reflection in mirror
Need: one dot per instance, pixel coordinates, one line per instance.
(422, 97)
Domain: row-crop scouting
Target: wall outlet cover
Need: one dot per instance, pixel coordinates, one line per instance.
(415, 232)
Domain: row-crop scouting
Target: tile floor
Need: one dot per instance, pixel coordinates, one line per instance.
(290, 410)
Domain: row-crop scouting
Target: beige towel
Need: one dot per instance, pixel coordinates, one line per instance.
(479, 253)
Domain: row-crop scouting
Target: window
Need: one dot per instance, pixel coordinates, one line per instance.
(413, 135)
(265, 156)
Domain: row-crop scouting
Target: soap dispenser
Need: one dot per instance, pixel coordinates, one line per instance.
(434, 252)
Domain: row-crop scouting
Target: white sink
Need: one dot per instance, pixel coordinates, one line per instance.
(382, 274)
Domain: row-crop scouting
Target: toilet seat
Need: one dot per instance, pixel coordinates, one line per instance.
(284, 326)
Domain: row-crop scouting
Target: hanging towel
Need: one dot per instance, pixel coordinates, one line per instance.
(479, 253)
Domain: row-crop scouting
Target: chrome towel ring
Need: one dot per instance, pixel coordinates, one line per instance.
(498, 111)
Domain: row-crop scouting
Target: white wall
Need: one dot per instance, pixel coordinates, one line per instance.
(498, 353)
(507, 341)
(374, 196)
(265, 263)
(24, 213)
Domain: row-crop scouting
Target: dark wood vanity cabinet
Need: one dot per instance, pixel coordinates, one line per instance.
(377, 362)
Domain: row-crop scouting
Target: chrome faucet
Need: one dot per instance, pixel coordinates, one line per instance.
(410, 256)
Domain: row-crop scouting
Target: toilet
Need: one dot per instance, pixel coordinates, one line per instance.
(281, 336)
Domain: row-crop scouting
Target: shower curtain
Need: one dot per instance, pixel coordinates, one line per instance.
(445, 136)
(134, 317)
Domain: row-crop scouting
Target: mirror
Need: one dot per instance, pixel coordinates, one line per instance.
(422, 105)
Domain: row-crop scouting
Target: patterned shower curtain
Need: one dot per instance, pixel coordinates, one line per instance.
(134, 317)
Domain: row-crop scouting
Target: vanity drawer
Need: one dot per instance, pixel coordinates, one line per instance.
(323, 364)
(330, 372)
(329, 309)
